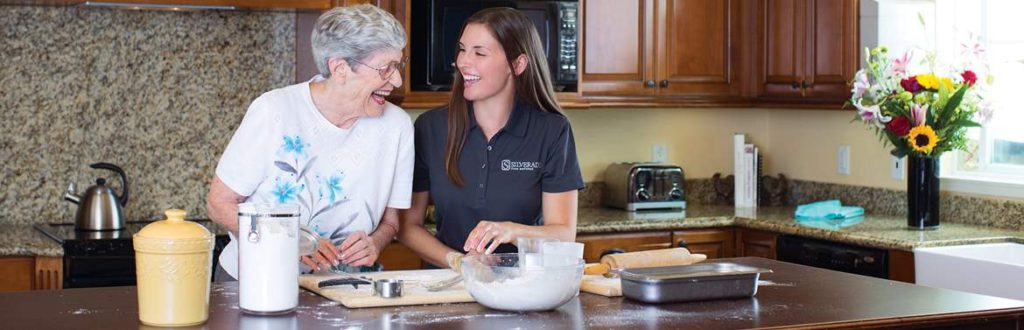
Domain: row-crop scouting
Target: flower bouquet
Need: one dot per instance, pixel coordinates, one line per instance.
(922, 115)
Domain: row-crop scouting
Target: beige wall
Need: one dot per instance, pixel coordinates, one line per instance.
(802, 144)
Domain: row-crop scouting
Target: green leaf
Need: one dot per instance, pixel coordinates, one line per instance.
(964, 123)
(951, 105)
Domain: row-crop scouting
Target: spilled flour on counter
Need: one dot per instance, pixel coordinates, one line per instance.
(426, 318)
(81, 311)
(653, 316)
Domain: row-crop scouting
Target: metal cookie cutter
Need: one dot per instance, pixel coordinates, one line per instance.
(387, 288)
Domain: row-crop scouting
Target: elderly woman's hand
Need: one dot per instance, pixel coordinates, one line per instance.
(487, 236)
(326, 255)
(359, 250)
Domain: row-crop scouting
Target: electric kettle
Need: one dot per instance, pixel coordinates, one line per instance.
(99, 208)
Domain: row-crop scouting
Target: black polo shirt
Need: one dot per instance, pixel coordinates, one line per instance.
(503, 178)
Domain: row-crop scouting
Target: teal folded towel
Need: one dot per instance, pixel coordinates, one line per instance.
(827, 210)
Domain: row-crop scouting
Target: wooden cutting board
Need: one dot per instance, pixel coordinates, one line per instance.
(412, 293)
(600, 285)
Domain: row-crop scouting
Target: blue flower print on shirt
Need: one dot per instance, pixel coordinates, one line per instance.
(294, 144)
(333, 187)
(285, 191)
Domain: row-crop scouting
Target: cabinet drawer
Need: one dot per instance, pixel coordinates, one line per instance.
(715, 243)
(596, 245)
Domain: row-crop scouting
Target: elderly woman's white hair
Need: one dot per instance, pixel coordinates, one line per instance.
(354, 33)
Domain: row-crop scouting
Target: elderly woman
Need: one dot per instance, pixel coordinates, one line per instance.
(332, 145)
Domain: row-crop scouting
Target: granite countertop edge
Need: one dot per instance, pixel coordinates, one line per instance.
(875, 231)
(884, 232)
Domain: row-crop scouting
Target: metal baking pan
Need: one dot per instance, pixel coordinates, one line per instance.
(703, 281)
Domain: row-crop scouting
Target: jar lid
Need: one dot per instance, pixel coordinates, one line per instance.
(174, 227)
(174, 234)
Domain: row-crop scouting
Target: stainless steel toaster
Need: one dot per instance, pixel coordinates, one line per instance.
(639, 186)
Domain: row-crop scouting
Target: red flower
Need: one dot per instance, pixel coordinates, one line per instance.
(969, 77)
(899, 126)
(910, 84)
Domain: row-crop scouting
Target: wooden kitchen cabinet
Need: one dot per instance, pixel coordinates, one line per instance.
(714, 242)
(24, 273)
(667, 51)
(755, 243)
(901, 266)
(397, 256)
(807, 51)
(595, 245)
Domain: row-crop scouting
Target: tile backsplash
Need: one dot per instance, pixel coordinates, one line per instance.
(158, 93)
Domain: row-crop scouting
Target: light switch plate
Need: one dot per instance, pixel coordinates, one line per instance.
(843, 160)
(896, 165)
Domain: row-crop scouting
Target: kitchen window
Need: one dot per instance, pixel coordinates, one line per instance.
(956, 30)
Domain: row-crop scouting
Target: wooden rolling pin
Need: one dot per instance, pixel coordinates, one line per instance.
(644, 259)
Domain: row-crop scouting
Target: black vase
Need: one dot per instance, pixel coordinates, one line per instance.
(922, 193)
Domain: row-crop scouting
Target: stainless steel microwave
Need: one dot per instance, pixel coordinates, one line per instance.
(435, 26)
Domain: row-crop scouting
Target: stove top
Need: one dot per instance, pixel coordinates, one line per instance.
(65, 232)
(107, 258)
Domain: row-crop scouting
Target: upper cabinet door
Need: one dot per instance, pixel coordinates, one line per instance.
(808, 51)
(832, 46)
(782, 39)
(701, 50)
(617, 48)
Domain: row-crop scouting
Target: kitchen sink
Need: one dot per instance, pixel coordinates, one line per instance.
(995, 269)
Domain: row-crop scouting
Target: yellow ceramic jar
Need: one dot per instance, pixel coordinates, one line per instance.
(172, 265)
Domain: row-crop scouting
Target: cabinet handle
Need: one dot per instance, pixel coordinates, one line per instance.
(803, 89)
(664, 83)
(795, 85)
(611, 251)
(649, 83)
(682, 243)
(804, 84)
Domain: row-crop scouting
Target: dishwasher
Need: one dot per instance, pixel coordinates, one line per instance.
(832, 255)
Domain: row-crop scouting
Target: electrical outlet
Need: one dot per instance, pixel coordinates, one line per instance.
(659, 153)
(843, 160)
(896, 166)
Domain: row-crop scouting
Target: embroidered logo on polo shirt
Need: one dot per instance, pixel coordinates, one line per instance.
(508, 165)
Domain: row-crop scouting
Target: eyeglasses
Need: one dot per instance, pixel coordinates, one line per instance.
(387, 70)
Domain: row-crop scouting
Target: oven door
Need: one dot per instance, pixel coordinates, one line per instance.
(98, 271)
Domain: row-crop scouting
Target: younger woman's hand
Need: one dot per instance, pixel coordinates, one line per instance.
(326, 255)
(487, 236)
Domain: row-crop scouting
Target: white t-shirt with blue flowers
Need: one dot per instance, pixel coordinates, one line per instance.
(285, 151)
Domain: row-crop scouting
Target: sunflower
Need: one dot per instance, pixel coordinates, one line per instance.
(922, 139)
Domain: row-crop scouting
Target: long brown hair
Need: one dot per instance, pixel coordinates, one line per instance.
(517, 36)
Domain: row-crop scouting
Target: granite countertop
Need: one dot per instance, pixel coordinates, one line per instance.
(887, 232)
(23, 240)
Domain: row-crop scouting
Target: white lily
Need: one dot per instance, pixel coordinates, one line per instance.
(871, 114)
(860, 84)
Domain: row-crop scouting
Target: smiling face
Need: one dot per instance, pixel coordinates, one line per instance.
(367, 86)
(483, 65)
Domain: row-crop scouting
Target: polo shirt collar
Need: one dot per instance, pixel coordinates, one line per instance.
(517, 121)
